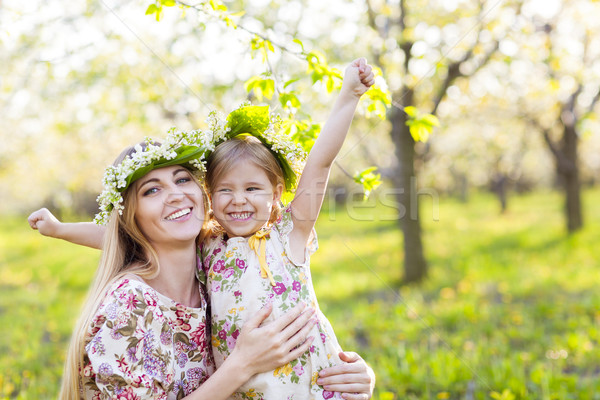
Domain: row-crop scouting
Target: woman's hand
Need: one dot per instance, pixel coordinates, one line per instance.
(354, 379)
(45, 222)
(264, 348)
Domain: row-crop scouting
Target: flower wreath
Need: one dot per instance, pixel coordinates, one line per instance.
(258, 122)
(194, 147)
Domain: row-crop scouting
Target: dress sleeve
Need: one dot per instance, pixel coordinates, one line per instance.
(126, 357)
(284, 226)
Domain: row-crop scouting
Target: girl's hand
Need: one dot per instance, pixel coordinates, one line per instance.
(264, 348)
(358, 77)
(43, 221)
(354, 379)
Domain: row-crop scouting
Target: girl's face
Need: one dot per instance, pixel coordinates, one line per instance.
(243, 198)
(169, 206)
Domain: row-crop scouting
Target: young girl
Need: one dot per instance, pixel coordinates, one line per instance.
(260, 254)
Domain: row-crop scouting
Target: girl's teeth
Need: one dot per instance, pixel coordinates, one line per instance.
(178, 214)
(241, 215)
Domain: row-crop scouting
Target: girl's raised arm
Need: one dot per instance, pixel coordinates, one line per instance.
(83, 233)
(307, 202)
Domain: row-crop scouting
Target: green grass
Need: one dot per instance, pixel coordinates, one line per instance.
(510, 310)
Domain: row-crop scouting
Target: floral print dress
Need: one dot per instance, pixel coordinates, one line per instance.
(237, 291)
(141, 344)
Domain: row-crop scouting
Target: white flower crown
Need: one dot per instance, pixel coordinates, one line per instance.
(195, 147)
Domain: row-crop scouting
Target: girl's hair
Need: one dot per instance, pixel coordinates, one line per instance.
(125, 251)
(243, 147)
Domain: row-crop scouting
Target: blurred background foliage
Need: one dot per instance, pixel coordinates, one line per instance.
(515, 85)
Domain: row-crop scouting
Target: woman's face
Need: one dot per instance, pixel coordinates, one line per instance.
(169, 207)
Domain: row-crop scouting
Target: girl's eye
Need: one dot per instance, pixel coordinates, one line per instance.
(223, 190)
(251, 189)
(150, 191)
(182, 180)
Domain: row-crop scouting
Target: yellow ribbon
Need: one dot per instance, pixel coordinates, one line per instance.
(258, 243)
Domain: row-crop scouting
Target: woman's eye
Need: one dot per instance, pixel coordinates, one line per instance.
(150, 191)
(182, 180)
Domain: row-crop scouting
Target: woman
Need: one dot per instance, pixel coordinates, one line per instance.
(142, 333)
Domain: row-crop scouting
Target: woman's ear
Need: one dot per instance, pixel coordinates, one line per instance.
(277, 193)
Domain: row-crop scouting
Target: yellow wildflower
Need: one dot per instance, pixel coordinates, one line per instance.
(287, 369)
(313, 380)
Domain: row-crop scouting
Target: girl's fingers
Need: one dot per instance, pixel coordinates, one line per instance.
(33, 218)
(347, 388)
(342, 370)
(349, 356)
(345, 380)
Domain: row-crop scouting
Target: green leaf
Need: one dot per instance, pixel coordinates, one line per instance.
(249, 119)
(368, 179)
(269, 46)
(260, 87)
(431, 120)
(168, 3)
(152, 8)
(330, 84)
(217, 6)
(411, 111)
(298, 41)
(268, 88)
(291, 81)
(288, 100)
(420, 125)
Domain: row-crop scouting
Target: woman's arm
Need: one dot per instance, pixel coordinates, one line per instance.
(82, 233)
(260, 349)
(306, 205)
(355, 379)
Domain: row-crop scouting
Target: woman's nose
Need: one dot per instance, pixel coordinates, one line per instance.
(174, 194)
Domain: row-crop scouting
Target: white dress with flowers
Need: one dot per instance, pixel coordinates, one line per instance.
(143, 345)
(237, 291)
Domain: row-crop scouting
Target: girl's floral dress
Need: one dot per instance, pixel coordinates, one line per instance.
(237, 291)
(142, 345)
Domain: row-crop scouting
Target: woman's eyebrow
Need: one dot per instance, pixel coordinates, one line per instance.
(158, 180)
(148, 181)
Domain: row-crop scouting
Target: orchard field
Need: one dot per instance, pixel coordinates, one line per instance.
(511, 309)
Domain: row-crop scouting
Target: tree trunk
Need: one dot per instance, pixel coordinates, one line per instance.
(569, 176)
(415, 266)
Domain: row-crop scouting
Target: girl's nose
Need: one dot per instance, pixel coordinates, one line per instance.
(239, 198)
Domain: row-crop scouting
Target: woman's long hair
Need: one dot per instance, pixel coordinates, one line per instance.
(125, 251)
